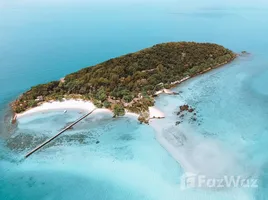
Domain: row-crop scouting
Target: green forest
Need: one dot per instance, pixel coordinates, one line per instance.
(130, 81)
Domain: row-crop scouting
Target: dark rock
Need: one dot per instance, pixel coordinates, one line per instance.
(97, 142)
(245, 52)
(14, 119)
(177, 123)
(184, 108)
(182, 116)
(191, 110)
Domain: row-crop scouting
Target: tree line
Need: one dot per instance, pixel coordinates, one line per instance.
(130, 81)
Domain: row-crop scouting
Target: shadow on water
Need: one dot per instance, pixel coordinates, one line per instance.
(6, 127)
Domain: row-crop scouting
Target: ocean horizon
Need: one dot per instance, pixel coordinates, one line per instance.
(119, 158)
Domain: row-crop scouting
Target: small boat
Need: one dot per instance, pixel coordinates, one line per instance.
(65, 111)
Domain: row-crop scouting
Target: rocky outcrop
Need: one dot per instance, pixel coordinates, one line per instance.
(185, 107)
(14, 119)
(182, 113)
(244, 53)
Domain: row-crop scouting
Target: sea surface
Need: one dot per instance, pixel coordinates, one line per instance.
(105, 158)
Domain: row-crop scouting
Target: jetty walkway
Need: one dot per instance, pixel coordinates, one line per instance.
(58, 134)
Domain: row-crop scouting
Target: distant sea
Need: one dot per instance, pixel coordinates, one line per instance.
(104, 158)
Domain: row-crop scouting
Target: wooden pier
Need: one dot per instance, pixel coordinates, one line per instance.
(62, 131)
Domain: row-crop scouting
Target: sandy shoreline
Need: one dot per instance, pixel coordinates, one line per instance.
(87, 106)
(80, 105)
(172, 148)
(168, 141)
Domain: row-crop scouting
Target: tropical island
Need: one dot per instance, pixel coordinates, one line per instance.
(130, 82)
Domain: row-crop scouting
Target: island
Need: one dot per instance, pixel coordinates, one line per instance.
(130, 82)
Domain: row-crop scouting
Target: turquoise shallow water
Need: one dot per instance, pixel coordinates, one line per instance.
(45, 40)
(97, 171)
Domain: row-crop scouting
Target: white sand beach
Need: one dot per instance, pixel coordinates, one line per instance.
(168, 91)
(173, 146)
(165, 91)
(169, 144)
(60, 105)
(82, 105)
(155, 113)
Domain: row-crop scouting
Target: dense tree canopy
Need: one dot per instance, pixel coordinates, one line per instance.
(132, 79)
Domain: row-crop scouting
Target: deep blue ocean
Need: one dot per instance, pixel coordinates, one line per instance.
(41, 41)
